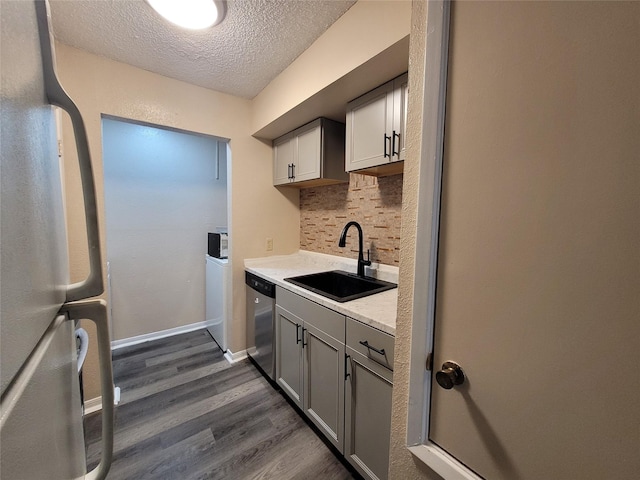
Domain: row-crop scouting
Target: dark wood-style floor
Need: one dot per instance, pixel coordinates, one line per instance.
(185, 413)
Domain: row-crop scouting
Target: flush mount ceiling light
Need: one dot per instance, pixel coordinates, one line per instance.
(191, 14)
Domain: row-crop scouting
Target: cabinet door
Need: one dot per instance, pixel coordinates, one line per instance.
(289, 354)
(369, 127)
(307, 157)
(400, 96)
(324, 362)
(283, 149)
(369, 387)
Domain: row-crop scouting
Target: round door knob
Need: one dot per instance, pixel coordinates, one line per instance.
(450, 375)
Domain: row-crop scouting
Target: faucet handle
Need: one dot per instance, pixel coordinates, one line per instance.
(367, 262)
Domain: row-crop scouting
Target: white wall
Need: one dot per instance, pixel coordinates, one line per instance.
(161, 199)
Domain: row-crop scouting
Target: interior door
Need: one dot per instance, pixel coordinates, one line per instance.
(539, 263)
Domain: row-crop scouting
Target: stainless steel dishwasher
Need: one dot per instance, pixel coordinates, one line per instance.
(261, 306)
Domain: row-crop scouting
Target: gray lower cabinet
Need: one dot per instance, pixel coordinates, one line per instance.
(310, 361)
(368, 392)
(324, 383)
(367, 415)
(289, 354)
(340, 373)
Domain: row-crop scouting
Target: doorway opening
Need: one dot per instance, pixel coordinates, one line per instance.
(164, 190)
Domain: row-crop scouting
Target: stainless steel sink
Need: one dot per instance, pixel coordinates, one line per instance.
(341, 286)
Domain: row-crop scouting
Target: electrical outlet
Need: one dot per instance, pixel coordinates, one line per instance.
(269, 244)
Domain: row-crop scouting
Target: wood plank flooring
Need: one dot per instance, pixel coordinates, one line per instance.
(185, 413)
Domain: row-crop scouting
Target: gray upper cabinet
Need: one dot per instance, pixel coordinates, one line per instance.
(282, 159)
(375, 129)
(310, 155)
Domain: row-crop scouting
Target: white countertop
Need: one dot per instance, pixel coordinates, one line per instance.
(378, 311)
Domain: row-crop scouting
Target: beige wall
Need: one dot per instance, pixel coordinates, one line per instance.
(101, 86)
(365, 30)
(401, 464)
(374, 202)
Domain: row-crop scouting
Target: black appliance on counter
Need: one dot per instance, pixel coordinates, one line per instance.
(218, 245)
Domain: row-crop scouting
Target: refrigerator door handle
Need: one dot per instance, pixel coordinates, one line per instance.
(96, 311)
(93, 284)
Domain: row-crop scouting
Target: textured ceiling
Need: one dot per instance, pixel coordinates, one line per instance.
(257, 40)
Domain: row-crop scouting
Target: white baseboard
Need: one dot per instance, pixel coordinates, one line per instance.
(147, 337)
(235, 357)
(95, 404)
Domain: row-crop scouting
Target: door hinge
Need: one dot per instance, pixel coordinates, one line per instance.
(429, 362)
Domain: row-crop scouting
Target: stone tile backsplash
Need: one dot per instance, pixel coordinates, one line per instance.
(374, 202)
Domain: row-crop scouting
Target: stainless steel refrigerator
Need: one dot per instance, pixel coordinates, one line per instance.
(41, 434)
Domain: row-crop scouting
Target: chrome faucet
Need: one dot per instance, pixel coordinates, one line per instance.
(343, 241)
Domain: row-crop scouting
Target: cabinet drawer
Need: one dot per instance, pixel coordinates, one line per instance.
(359, 335)
(320, 317)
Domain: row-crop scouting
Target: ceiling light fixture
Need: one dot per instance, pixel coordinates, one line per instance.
(191, 14)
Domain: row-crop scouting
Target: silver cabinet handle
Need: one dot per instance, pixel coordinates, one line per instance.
(96, 311)
(93, 284)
